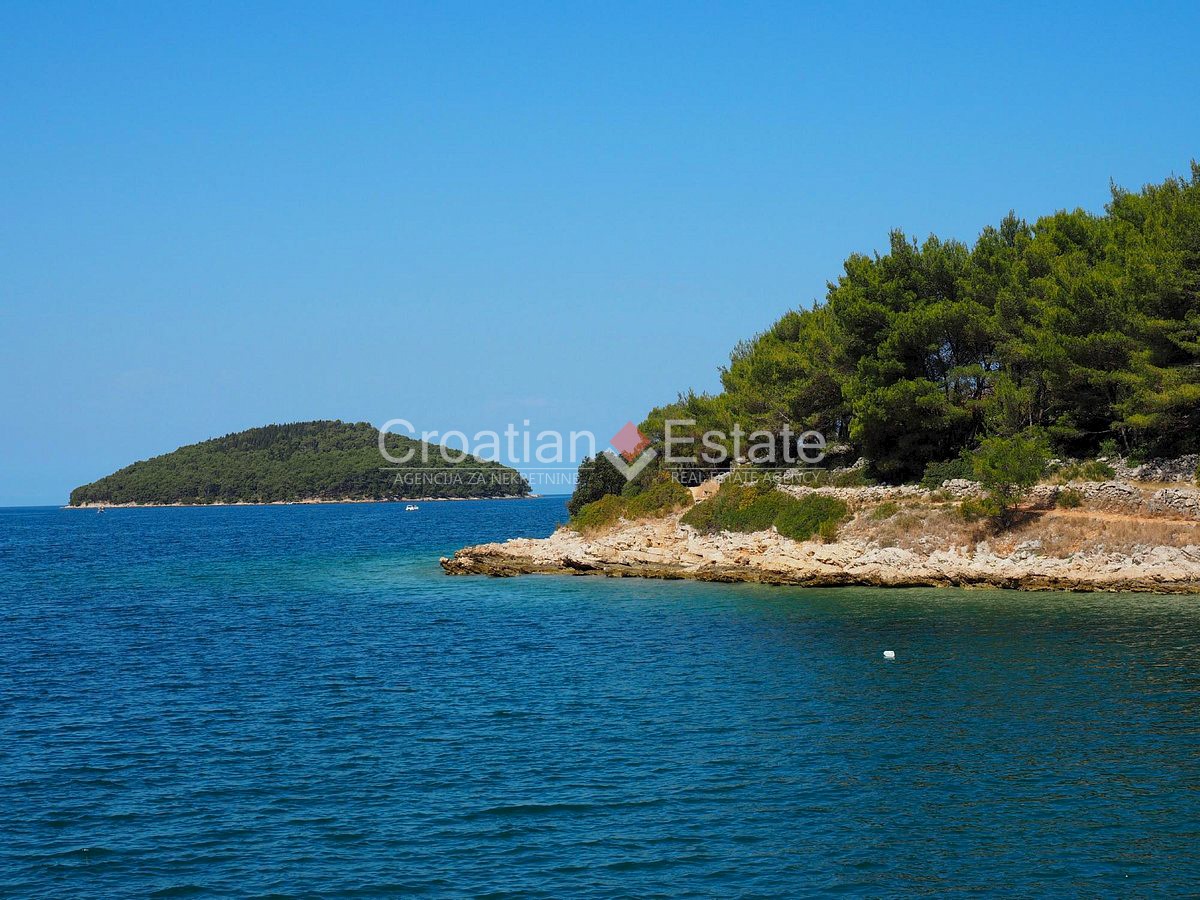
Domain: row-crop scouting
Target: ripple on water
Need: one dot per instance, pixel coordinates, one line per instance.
(282, 701)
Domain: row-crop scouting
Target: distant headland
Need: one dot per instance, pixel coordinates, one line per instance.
(327, 461)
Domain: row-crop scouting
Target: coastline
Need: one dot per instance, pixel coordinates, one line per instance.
(1056, 550)
(309, 501)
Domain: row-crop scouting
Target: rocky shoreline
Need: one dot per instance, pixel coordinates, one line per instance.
(1095, 549)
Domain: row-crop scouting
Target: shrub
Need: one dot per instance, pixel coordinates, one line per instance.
(1069, 499)
(975, 508)
(599, 513)
(597, 478)
(756, 507)
(664, 497)
(801, 518)
(1007, 468)
(946, 470)
(828, 531)
(1091, 470)
(737, 507)
(885, 510)
(650, 476)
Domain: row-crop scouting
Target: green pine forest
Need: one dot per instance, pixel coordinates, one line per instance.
(1081, 329)
(322, 460)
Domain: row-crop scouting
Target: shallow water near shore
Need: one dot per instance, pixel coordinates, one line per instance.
(244, 701)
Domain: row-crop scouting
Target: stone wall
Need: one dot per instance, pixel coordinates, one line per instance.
(1181, 469)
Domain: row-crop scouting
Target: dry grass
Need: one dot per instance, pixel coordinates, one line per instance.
(1061, 535)
(926, 527)
(916, 526)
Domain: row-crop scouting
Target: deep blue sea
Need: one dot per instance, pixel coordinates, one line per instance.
(295, 701)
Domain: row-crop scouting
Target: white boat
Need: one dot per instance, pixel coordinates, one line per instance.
(411, 507)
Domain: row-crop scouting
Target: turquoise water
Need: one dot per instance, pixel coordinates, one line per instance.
(295, 701)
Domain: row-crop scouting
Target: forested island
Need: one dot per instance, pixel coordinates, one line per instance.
(320, 461)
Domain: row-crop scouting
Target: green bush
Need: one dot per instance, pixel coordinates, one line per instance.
(885, 510)
(737, 507)
(1007, 468)
(650, 476)
(598, 513)
(945, 470)
(975, 508)
(1090, 470)
(597, 478)
(801, 518)
(828, 532)
(756, 507)
(664, 497)
(1069, 499)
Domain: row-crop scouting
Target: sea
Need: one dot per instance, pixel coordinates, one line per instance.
(295, 701)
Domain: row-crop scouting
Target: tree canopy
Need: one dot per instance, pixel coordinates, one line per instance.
(1084, 326)
(597, 478)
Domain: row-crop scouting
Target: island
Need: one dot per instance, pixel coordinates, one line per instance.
(326, 461)
(1021, 412)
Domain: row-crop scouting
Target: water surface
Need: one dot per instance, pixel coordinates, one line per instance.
(295, 701)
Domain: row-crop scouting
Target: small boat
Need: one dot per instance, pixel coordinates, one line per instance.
(411, 507)
(99, 509)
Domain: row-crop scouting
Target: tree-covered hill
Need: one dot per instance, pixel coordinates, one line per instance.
(1082, 328)
(323, 460)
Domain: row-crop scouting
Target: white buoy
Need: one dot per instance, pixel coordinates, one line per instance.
(889, 654)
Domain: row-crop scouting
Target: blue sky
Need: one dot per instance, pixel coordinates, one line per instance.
(219, 216)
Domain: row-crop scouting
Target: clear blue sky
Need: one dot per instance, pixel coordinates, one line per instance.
(217, 216)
